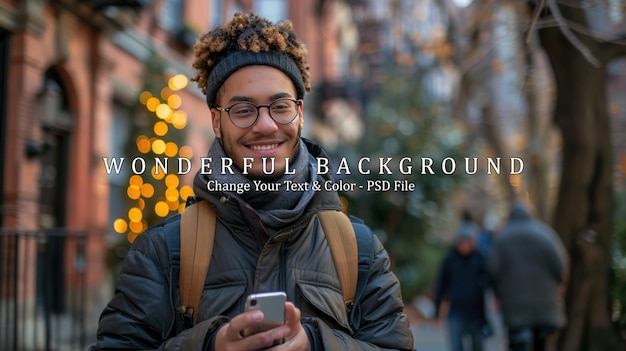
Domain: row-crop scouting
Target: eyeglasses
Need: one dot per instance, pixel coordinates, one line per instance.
(245, 114)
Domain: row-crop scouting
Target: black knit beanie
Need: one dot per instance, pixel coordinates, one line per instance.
(239, 59)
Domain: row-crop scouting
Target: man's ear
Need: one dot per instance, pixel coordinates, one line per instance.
(215, 121)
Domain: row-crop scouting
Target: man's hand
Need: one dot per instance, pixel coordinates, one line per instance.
(230, 337)
(297, 339)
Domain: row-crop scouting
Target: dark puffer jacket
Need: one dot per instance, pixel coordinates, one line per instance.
(246, 259)
(527, 265)
(463, 281)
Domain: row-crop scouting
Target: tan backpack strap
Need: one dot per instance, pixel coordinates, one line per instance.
(342, 242)
(197, 231)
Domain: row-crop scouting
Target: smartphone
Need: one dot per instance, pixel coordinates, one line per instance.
(273, 306)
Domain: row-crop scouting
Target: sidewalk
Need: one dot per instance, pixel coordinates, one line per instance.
(432, 336)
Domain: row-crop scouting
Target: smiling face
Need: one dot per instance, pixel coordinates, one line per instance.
(260, 85)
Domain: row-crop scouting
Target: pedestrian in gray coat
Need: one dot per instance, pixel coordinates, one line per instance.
(527, 267)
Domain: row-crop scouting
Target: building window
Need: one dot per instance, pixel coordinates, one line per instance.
(274, 10)
(172, 14)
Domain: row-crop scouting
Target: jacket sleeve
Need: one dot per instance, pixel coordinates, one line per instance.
(558, 260)
(382, 322)
(141, 315)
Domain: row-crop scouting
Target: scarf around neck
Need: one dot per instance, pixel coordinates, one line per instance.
(276, 209)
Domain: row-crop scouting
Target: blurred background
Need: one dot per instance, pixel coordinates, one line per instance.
(85, 83)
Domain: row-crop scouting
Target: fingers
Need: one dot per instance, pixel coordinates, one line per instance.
(242, 322)
(297, 338)
(292, 314)
(231, 336)
(292, 319)
(262, 340)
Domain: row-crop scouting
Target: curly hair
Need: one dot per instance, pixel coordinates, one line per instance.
(248, 32)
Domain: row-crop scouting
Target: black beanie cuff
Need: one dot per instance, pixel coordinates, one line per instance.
(239, 59)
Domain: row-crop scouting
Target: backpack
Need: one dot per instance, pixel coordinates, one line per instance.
(197, 232)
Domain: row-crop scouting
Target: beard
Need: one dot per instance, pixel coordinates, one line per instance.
(261, 175)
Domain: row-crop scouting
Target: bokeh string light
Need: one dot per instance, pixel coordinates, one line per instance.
(165, 107)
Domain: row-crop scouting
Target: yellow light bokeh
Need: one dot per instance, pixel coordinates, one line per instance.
(177, 115)
(179, 119)
(168, 119)
(155, 175)
(136, 180)
(185, 192)
(174, 101)
(172, 181)
(166, 92)
(177, 82)
(171, 194)
(160, 128)
(164, 105)
(158, 146)
(144, 97)
(186, 152)
(120, 226)
(161, 209)
(173, 205)
(135, 214)
(132, 236)
(133, 192)
(147, 190)
(171, 149)
(153, 103)
(143, 144)
(136, 227)
(163, 111)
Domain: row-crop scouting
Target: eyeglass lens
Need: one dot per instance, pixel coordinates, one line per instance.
(244, 114)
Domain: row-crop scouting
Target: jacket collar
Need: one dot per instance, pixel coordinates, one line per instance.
(239, 216)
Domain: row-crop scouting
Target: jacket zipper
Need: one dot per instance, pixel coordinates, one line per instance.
(282, 278)
(282, 262)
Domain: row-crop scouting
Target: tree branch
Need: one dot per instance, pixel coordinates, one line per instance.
(533, 20)
(613, 44)
(569, 35)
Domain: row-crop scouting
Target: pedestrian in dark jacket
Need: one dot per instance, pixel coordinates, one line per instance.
(462, 283)
(254, 74)
(527, 265)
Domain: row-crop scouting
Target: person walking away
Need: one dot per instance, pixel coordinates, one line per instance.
(462, 283)
(527, 267)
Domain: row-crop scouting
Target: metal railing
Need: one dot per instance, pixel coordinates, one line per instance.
(42, 290)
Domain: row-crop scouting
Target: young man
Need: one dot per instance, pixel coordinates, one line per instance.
(462, 283)
(254, 75)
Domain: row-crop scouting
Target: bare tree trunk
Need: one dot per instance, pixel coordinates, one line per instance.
(537, 137)
(495, 137)
(583, 212)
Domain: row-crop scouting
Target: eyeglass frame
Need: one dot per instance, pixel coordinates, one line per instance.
(298, 103)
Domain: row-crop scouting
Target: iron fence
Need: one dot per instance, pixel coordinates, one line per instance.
(42, 290)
